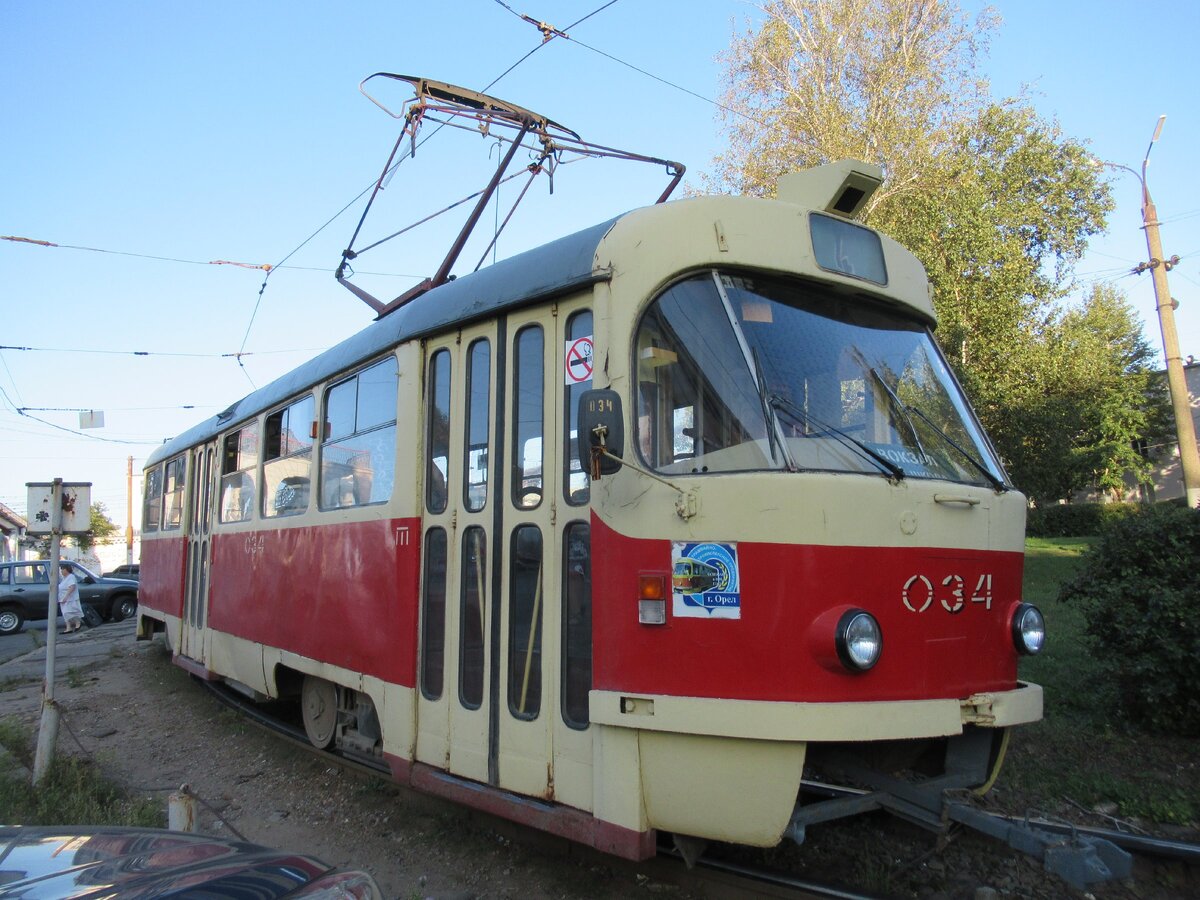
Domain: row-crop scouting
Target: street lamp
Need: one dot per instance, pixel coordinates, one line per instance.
(1185, 429)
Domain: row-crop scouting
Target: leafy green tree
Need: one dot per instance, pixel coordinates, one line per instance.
(1124, 399)
(886, 81)
(996, 202)
(102, 529)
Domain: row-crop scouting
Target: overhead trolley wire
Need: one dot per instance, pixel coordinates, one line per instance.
(155, 352)
(191, 262)
(94, 437)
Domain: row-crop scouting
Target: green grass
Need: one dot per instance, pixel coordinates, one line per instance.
(1082, 753)
(73, 791)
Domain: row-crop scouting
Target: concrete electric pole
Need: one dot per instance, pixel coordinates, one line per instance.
(1185, 429)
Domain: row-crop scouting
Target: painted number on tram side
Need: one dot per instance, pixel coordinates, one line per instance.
(919, 593)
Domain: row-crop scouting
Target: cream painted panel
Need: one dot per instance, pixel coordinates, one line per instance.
(739, 791)
(616, 777)
(763, 720)
(396, 708)
(236, 658)
(817, 509)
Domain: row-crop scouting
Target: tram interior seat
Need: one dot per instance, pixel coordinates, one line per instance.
(292, 495)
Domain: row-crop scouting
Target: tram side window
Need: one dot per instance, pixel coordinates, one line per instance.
(525, 623)
(358, 452)
(471, 635)
(172, 519)
(437, 469)
(152, 504)
(475, 463)
(239, 465)
(575, 479)
(527, 453)
(433, 615)
(577, 624)
(287, 458)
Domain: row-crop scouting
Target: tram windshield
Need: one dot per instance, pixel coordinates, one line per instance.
(740, 373)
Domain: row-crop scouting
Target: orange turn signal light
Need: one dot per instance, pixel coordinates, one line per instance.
(652, 587)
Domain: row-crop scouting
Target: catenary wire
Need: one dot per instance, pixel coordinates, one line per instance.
(156, 352)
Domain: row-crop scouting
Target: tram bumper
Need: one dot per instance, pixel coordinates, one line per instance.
(732, 770)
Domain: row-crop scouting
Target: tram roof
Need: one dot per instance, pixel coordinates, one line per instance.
(550, 270)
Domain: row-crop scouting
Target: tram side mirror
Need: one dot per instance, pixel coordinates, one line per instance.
(601, 432)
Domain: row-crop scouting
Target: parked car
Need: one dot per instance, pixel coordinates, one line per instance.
(130, 570)
(25, 590)
(100, 861)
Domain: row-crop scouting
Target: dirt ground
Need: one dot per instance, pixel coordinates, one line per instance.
(151, 729)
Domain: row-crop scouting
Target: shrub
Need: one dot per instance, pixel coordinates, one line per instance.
(1139, 592)
(1077, 519)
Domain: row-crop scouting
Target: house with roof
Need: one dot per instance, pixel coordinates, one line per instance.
(12, 535)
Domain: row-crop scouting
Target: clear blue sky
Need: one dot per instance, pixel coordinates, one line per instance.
(233, 131)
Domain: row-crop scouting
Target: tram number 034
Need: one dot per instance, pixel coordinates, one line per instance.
(919, 593)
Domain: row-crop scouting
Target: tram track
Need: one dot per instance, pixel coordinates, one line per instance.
(720, 877)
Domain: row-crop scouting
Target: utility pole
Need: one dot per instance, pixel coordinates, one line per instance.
(48, 730)
(1185, 429)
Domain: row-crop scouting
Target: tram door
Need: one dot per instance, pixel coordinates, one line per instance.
(192, 636)
(496, 544)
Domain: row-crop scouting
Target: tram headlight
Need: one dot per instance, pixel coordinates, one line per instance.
(859, 640)
(1028, 629)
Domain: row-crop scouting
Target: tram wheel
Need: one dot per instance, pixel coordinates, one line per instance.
(318, 703)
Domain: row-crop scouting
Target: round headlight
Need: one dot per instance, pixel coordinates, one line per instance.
(859, 640)
(1028, 629)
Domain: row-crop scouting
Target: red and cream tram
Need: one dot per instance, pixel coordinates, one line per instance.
(452, 537)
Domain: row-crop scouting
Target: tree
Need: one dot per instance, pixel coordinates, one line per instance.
(886, 81)
(101, 529)
(1123, 398)
(994, 200)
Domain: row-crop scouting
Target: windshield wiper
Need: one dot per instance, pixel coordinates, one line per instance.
(774, 436)
(987, 473)
(787, 406)
(905, 409)
(900, 408)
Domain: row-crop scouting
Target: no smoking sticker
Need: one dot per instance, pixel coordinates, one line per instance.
(577, 366)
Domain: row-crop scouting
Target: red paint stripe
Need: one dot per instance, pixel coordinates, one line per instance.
(768, 654)
(344, 594)
(162, 575)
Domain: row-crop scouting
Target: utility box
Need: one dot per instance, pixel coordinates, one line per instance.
(76, 507)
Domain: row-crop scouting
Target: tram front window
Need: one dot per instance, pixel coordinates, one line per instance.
(738, 374)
